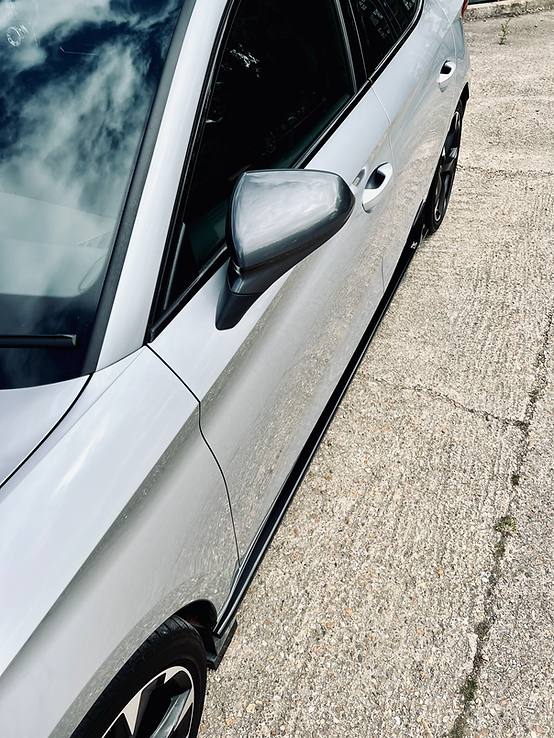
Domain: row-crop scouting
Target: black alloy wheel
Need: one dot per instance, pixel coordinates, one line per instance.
(159, 693)
(441, 187)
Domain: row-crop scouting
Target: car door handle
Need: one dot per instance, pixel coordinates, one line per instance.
(447, 72)
(376, 185)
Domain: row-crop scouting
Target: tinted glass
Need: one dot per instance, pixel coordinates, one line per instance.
(381, 23)
(282, 79)
(77, 79)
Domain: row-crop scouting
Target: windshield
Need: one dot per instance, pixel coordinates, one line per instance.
(77, 81)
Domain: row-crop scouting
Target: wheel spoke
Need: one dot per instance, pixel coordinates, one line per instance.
(176, 712)
(450, 162)
(189, 707)
(444, 197)
(137, 706)
(120, 729)
(453, 138)
(163, 708)
(441, 200)
(131, 712)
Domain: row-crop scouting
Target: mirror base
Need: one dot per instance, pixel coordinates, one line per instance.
(231, 307)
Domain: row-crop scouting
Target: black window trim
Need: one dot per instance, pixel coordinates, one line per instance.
(353, 35)
(367, 84)
(372, 76)
(160, 318)
(346, 37)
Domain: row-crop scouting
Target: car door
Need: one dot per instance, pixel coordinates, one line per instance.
(282, 94)
(415, 81)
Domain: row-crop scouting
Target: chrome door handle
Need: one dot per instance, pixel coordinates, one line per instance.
(447, 72)
(376, 185)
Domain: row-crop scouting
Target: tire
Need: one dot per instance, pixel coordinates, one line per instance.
(159, 692)
(441, 186)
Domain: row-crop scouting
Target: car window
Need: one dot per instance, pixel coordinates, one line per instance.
(283, 77)
(381, 23)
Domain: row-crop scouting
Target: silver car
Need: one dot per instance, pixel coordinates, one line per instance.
(206, 206)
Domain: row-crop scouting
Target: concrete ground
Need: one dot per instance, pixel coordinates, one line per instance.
(410, 588)
(505, 7)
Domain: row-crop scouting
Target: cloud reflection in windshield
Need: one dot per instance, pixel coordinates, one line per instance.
(77, 78)
(78, 113)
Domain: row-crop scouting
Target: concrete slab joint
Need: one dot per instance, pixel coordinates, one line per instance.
(506, 527)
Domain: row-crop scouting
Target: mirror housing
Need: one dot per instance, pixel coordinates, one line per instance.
(276, 218)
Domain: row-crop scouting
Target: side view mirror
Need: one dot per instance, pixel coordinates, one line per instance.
(276, 218)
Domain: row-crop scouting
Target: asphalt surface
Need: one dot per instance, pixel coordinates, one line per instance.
(410, 588)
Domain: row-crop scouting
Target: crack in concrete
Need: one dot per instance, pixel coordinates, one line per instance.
(506, 528)
(483, 414)
(510, 173)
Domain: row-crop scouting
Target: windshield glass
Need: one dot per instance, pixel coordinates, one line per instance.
(77, 81)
